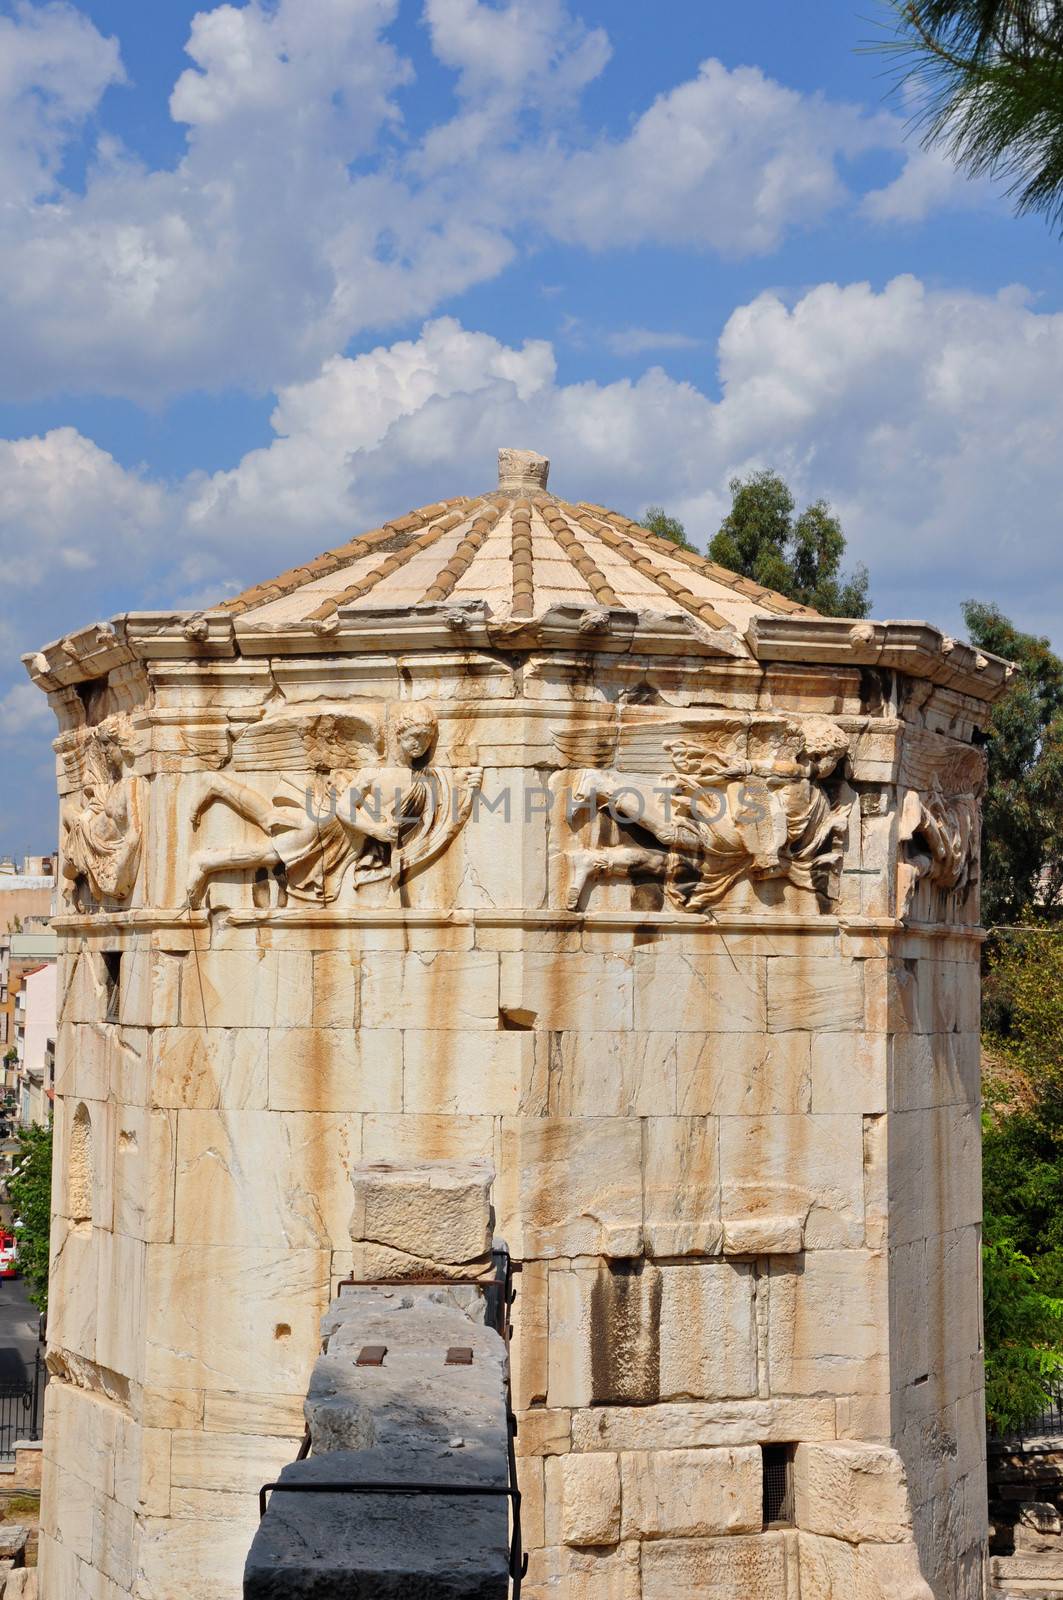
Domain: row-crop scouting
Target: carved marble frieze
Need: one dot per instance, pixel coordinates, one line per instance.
(703, 807)
(939, 826)
(357, 798)
(100, 826)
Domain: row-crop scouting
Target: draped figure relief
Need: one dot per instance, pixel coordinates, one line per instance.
(367, 806)
(940, 825)
(99, 823)
(738, 800)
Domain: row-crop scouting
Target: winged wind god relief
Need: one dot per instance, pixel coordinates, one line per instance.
(702, 807)
(361, 801)
(939, 825)
(99, 820)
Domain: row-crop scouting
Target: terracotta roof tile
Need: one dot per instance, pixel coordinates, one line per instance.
(583, 562)
(390, 564)
(521, 555)
(493, 547)
(332, 560)
(700, 608)
(461, 560)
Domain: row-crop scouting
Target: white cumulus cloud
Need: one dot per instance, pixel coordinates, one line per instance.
(54, 68)
(303, 212)
(24, 710)
(730, 160)
(77, 531)
(532, 49)
(527, 55)
(930, 418)
(927, 183)
(66, 505)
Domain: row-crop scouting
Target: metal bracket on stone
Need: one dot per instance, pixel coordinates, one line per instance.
(371, 1355)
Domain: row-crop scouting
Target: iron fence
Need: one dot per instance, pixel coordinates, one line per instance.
(22, 1409)
(1046, 1423)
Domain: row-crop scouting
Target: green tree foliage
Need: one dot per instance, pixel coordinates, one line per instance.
(798, 556)
(30, 1191)
(986, 77)
(1022, 854)
(659, 522)
(1022, 1164)
(1022, 1323)
(1022, 1169)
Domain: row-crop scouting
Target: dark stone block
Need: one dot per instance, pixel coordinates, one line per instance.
(378, 1547)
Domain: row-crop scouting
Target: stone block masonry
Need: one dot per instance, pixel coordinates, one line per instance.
(422, 1219)
(703, 990)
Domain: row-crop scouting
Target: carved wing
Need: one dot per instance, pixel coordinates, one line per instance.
(312, 739)
(587, 744)
(640, 743)
(72, 750)
(949, 770)
(644, 745)
(965, 773)
(211, 742)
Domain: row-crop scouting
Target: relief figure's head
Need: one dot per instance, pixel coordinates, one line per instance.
(825, 744)
(415, 732)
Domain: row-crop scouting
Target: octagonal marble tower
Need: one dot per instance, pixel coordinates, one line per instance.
(511, 830)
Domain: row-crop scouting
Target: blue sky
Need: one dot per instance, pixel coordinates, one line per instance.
(272, 271)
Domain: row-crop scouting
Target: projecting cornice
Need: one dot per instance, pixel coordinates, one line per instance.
(914, 648)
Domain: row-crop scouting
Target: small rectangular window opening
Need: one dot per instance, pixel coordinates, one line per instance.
(112, 977)
(778, 1469)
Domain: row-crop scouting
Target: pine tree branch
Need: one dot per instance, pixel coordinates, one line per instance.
(910, 14)
(991, 72)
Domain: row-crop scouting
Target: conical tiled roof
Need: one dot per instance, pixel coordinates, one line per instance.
(519, 549)
(515, 568)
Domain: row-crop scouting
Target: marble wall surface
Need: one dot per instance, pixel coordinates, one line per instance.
(685, 944)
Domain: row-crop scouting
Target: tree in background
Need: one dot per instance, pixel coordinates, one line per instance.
(659, 522)
(987, 81)
(1023, 1326)
(797, 556)
(30, 1191)
(1022, 1155)
(1022, 851)
(1022, 1172)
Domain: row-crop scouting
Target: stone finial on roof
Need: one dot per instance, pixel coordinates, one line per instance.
(522, 470)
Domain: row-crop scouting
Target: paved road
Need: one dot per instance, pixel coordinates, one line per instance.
(18, 1331)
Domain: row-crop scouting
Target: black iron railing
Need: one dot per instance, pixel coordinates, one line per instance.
(22, 1409)
(1046, 1423)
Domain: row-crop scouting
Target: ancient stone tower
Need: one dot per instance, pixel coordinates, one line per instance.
(510, 830)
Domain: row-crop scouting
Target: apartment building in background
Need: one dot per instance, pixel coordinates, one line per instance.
(27, 985)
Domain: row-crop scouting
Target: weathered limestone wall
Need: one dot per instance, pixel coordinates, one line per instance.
(934, 1199)
(734, 1124)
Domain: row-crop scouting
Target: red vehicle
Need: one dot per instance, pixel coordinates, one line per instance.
(8, 1255)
